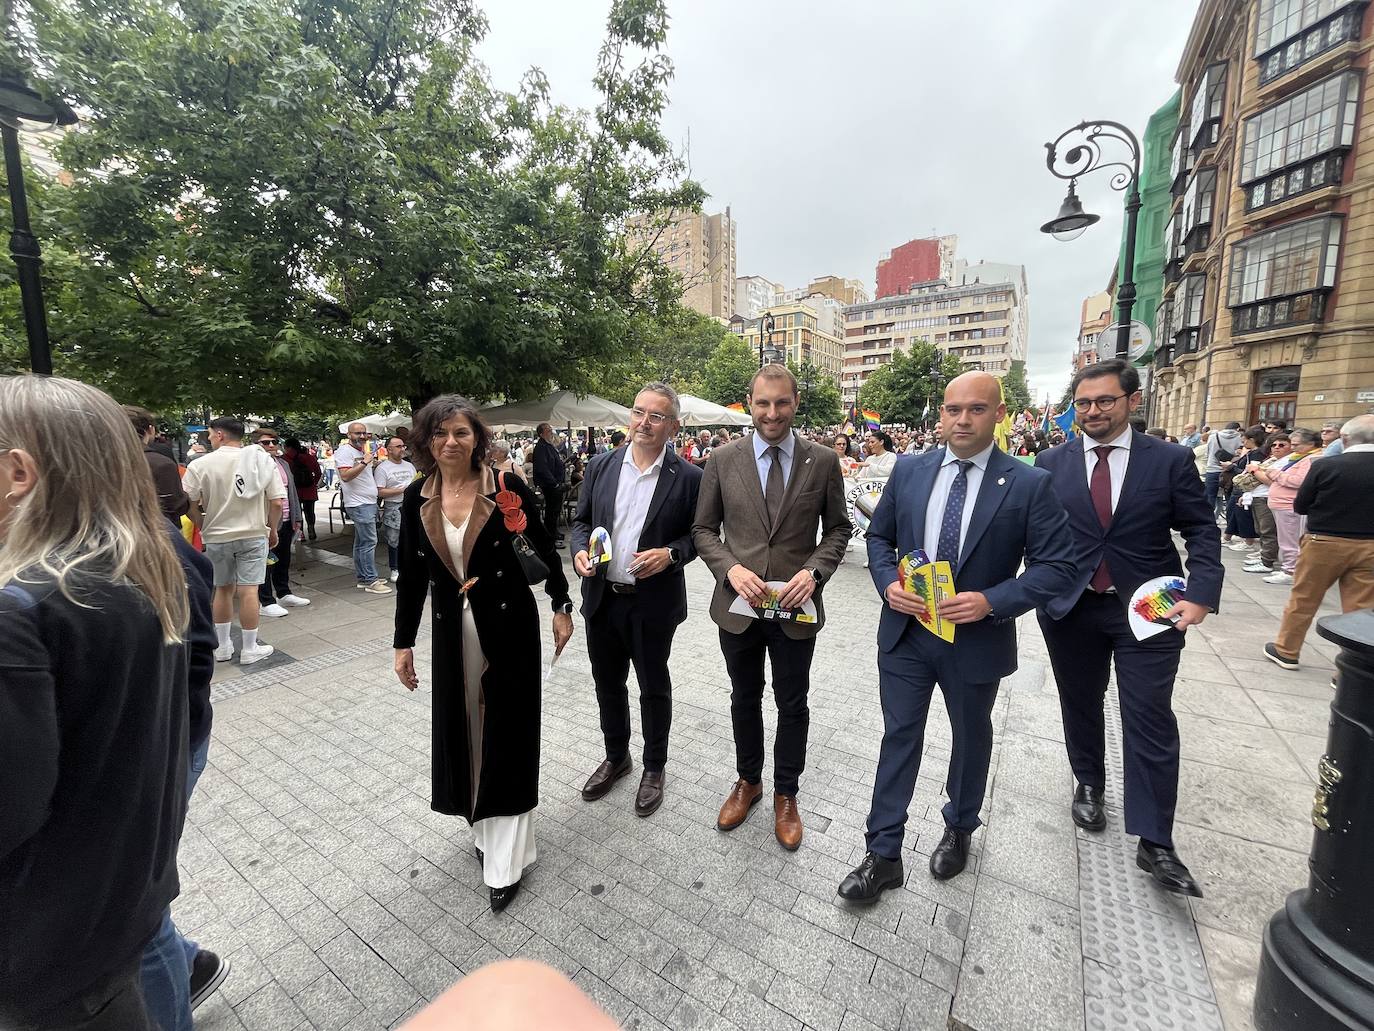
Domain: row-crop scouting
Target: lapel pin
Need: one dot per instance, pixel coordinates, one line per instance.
(1001, 481)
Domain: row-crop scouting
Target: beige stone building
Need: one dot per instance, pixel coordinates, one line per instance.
(1269, 274)
(802, 332)
(700, 248)
(846, 291)
(980, 319)
(1094, 317)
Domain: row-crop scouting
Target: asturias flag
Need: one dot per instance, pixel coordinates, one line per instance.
(1068, 422)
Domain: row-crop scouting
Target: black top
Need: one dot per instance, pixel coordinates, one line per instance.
(549, 470)
(167, 482)
(93, 731)
(1335, 496)
(200, 636)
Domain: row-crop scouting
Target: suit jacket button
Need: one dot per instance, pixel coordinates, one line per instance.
(503, 606)
(421, 554)
(499, 572)
(438, 615)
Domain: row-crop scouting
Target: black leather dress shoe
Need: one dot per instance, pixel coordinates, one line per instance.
(603, 777)
(951, 855)
(650, 794)
(871, 878)
(1166, 868)
(1087, 808)
(500, 897)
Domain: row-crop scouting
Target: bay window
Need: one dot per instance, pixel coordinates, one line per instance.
(1282, 277)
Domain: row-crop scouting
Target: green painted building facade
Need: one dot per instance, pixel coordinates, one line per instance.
(1155, 200)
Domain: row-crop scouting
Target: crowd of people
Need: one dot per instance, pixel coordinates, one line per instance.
(100, 758)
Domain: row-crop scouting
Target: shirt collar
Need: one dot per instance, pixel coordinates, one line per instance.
(1122, 440)
(630, 461)
(785, 445)
(1357, 448)
(980, 459)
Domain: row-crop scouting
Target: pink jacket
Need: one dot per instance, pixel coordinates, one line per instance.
(1284, 487)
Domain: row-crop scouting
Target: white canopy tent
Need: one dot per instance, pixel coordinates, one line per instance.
(697, 411)
(561, 408)
(378, 423)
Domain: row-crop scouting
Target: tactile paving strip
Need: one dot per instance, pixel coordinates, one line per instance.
(1116, 1003)
(1111, 876)
(1151, 946)
(1112, 716)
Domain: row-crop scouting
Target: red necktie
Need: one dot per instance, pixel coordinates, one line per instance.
(1100, 487)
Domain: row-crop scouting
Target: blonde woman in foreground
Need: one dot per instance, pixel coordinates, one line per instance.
(93, 710)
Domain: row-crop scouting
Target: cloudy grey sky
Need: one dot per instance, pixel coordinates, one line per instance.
(837, 131)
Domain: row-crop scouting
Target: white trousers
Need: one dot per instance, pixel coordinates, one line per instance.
(507, 844)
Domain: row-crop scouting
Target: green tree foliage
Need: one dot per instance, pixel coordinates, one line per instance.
(1015, 389)
(284, 202)
(901, 390)
(726, 375)
(674, 348)
(820, 405)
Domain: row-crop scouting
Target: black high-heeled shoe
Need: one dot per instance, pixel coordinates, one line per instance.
(500, 897)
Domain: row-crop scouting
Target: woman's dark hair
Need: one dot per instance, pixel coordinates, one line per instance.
(887, 441)
(433, 415)
(1260, 437)
(294, 442)
(848, 444)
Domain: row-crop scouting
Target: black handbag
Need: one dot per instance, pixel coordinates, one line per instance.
(536, 572)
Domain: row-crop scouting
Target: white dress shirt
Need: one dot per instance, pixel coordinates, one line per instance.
(633, 492)
(1116, 461)
(939, 494)
(786, 447)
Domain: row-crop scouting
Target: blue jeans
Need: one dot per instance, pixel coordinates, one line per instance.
(364, 542)
(1211, 486)
(167, 959)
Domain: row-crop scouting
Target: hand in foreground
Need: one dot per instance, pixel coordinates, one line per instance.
(405, 668)
(582, 562)
(747, 585)
(644, 564)
(798, 590)
(271, 536)
(904, 601)
(562, 631)
(965, 607)
(1189, 613)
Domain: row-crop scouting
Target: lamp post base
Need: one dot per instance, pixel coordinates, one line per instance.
(1308, 981)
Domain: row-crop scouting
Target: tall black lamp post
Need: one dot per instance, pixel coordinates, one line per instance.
(20, 104)
(1084, 156)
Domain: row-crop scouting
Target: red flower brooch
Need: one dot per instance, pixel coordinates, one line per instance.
(509, 503)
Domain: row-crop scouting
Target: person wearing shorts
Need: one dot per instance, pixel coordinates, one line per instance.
(236, 501)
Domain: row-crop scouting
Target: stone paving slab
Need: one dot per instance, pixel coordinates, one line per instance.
(312, 859)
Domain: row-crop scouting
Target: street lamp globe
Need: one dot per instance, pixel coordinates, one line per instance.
(1071, 220)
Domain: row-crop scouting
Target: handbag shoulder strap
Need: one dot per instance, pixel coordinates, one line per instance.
(501, 486)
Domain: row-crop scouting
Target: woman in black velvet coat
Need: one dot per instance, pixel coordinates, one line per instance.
(457, 531)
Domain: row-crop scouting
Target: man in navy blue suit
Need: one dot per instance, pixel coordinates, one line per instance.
(646, 496)
(983, 512)
(1124, 492)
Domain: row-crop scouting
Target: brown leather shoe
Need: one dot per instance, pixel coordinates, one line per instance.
(742, 798)
(787, 824)
(650, 794)
(603, 777)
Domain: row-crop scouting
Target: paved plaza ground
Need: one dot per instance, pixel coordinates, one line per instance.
(312, 859)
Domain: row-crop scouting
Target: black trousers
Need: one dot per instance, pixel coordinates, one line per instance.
(791, 661)
(279, 573)
(114, 1003)
(308, 510)
(553, 507)
(619, 635)
(1083, 646)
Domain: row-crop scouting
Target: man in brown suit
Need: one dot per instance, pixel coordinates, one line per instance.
(780, 487)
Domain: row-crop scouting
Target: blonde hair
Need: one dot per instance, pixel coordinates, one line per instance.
(93, 508)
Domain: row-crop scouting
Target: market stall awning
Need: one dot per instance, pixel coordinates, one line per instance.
(561, 408)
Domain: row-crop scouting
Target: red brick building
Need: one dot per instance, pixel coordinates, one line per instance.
(917, 261)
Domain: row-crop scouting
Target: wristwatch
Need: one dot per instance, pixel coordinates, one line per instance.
(816, 575)
(673, 556)
(565, 609)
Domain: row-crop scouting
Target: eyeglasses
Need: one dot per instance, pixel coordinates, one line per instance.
(1104, 404)
(657, 418)
(267, 440)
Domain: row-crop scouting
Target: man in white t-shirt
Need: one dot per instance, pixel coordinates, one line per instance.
(392, 477)
(360, 502)
(236, 501)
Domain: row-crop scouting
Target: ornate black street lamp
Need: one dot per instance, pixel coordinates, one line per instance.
(766, 325)
(1085, 155)
(20, 104)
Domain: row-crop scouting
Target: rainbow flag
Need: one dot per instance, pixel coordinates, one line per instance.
(736, 407)
(871, 419)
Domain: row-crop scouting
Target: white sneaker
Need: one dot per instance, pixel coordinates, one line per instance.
(275, 611)
(1238, 545)
(1257, 567)
(258, 651)
(395, 575)
(225, 653)
(380, 587)
(1279, 577)
(294, 601)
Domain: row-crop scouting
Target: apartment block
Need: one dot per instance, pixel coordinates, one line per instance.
(804, 330)
(1269, 270)
(916, 261)
(981, 319)
(700, 248)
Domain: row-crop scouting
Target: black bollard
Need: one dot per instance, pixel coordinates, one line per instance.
(1317, 962)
